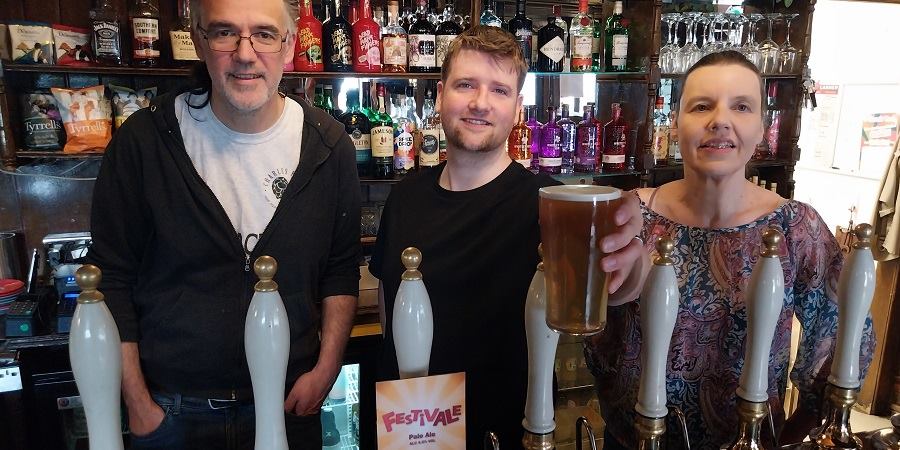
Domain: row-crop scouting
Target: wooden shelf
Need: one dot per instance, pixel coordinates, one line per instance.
(57, 154)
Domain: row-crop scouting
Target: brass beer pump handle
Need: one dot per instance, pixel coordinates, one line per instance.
(650, 432)
(583, 424)
(411, 258)
(772, 239)
(835, 433)
(88, 278)
(491, 442)
(265, 268)
(665, 246)
(750, 414)
(864, 234)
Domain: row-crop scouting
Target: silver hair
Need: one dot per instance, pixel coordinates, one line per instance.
(290, 7)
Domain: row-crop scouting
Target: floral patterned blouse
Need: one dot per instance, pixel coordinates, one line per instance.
(713, 268)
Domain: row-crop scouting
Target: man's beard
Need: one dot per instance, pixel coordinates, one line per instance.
(453, 140)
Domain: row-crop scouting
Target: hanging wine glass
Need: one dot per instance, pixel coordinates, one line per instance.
(687, 54)
(769, 51)
(751, 48)
(790, 55)
(668, 53)
(737, 31)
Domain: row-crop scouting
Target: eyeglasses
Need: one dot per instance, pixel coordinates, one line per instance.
(226, 40)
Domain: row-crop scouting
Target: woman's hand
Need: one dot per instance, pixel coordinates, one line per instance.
(626, 259)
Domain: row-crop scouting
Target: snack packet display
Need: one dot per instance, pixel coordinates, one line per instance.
(126, 101)
(86, 117)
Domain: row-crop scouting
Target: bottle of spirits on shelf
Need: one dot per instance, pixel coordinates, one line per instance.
(183, 51)
(383, 139)
(581, 38)
(773, 122)
(532, 122)
(366, 97)
(106, 33)
(367, 42)
(308, 50)
(421, 52)
(615, 141)
(407, 15)
(660, 144)
(448, 29)
(353, 12)
(561, 23)
(521, 26)
(587, 142)
(359, 128)
(518, 145)
(568, 138)
(616, 41)
(429, 155)
(551, 47)
(404, 139)
(550, 160)
(393, 42)
(319, 98)
(328, 102)
(336, 39)
(597, 46)
(144, 18)
(488, 17)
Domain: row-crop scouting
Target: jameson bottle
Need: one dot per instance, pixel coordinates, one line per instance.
(446, 32)
(106, 33)
(587, 141)
(581, 38)
(615, 141)
(336, 40)
(183, 51)
(519, 142)
(550, 160)
(520, 26)
(308, 51)
(358, 127)
(367, 45)
(144, 19)
(393, 42)
(551, 47)
(616, 41)
(383, 139)
(422, 58)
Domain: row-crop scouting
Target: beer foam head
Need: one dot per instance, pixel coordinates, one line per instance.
(580, 193)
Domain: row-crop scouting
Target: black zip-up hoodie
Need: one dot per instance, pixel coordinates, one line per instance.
(175, 274)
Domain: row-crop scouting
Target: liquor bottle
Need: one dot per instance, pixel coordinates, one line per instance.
(500, 10)
(534, 125)
(359, 128)
(404, 127)
(773, 122)
(319, 98)
(519, 142)
(144, 19)
(336, 39)
(366, 97)
(596, 46)
(442, 143)
(106, 34)
(488, 17)
(393, 42)
(587, 142)
(616, 41)
(615, 141)
(446, 32)
(353, 12)
(581, 38)
(429, 155)
(383, 139)
(551, 47)
(407, 14)
(328, 103)
(561, 23)
(367, 45)
(568, 138)
(421, 51)
(183, 51)
(308, 51)
(521, 27)
(660, 142)
(550, 160)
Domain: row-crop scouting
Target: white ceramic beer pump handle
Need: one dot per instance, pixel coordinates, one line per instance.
(412, 321)
(542, 343)
(764, 300)
(659, 308)
(267, 343)
(95, 352)
(856, 287)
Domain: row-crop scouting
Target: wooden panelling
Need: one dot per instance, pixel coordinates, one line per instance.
(41, 10)
(876, 393)
(53, 205)
(75, 13)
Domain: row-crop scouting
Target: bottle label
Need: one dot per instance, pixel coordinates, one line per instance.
(550, 162)
(661, 143)
(341, 47)
(308, 54)
(772, 132)
(182, 46)
(146, 37)
(106, 39)
(619, 50)
(613, 159)
(581, 48)
(367, 51)
(362, 142)
(383, 142)
(442, 42)
(403, 151)
(587, 161)
(442, 145)
(394, 50)
(524, 37)
(422, 50)
(555, 49)
(430, 154)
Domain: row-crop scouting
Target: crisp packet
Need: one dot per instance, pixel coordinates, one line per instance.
(42, 126)
(31, 43)
(87, 118)
(126, 101)
(72, 45)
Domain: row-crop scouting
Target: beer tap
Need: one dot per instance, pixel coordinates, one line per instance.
(764, 300)
(887, 438)
(542, 341)
(659, 308)
(267, 344)
(856, 287)
(413, 323)
(95, 352)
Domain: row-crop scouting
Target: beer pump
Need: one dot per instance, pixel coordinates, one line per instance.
(412, 321)
(887, 438)
(267, 344)
(95, 352)
(764, 300)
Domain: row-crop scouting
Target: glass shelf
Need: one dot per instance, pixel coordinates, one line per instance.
(769, 76)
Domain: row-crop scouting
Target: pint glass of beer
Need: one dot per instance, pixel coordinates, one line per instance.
(574, 219)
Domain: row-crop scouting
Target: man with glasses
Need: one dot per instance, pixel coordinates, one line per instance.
(191, 191)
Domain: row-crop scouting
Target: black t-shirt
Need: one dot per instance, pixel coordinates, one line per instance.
(479, 253)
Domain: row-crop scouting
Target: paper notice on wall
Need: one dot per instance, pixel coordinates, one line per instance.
(824, 123)
(422, 413)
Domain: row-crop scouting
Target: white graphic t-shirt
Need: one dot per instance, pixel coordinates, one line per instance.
(248, 173)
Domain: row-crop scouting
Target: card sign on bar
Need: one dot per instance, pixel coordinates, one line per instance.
(422, 413)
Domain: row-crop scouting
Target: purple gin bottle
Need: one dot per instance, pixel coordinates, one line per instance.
(551, 138)
(587, 148)
(532, 122)
(568, 138)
